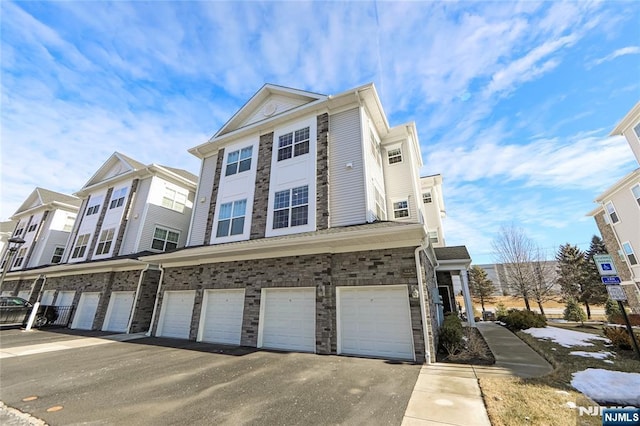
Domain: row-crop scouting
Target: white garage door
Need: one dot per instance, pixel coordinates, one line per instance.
(65, 298)
(119, 311)
(86, 311)
(288, 319)
(47, 297)
(221, 318)
(176, 313)
(374, 321)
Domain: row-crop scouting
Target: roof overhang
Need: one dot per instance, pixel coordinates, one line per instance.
(54, 205)
(623, 183)
(67, 269)
(627, 121)
(335, 240)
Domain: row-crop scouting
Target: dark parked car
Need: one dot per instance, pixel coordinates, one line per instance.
(16, 310)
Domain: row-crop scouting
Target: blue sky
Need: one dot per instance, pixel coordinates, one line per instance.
(513, 101)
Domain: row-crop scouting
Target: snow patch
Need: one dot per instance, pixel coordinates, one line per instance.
(566, 338)
(608, 361)
(597, 355)
(608, 386)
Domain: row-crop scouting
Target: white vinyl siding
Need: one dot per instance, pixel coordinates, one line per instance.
(202, 201)
(136, 218)
(347, 202)
(400, 184)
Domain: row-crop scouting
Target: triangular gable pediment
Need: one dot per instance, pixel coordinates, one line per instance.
(32, 201)
(116, 165)
(268, 102)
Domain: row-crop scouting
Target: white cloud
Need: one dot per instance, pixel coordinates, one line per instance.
(629, 50)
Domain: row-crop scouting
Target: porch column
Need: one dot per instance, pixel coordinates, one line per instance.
(467, 297)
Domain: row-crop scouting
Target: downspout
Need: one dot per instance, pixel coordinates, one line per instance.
(423, 308)
(135, 297)
(155, 305)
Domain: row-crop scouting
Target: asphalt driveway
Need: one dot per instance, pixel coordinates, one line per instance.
(165, 382)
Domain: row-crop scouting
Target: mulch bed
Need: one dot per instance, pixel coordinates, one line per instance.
(482, 357)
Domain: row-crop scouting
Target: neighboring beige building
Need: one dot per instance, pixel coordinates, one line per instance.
(618, 214)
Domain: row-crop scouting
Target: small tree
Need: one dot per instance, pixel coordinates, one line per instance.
(480, 285)
(573, 311)
(612, 310)
(541, 281)
(593, 291)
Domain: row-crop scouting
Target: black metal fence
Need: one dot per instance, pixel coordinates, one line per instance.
(63, 318)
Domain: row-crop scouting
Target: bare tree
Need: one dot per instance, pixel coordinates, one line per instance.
(516, 251)
(542, 283)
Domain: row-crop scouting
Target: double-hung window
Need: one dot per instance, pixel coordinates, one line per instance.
(628, 251)
(381, 205)
(57, 255)
(636, 192)
(32, 227)
(612, 212)
(81, 246)
(104, 243)
(401, 209)
(637, 130)
(20, 257)
(93, 209)
(231, 218)
(394, 155)
(291, 207)
(433, 237)
(164, 239)
(174, 200)
(293, 144)
(239, 161)
(19, 230)
(426, 197)
(117, 199)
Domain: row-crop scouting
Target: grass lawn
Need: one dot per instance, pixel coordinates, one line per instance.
(548, 400)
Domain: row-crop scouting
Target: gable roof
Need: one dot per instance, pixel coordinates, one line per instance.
(44, 197)
(118, 165)
(271, 100)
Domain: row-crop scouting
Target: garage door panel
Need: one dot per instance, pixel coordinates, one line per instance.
(288, 319)
(119, 311)
(221, 318)
(375, 321)
(176, 314)
(86, 312)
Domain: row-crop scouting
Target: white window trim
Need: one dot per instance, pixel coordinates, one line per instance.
(105, 242)
(86, 246)
(230, 219)
(637, 185)
(400, 155)
(629, 255)
(172, 194)
(405, 200)
(293, 144)
(427, 197)
(117, 198)
(164, 228)
(240, 160)
(20, 256)
(609, 213)
(56, 248)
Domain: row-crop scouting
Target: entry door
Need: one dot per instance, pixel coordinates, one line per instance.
(86, 312)
(119, 311)
(288, 319)
(176, 313)
(221, 318)
(375, 321)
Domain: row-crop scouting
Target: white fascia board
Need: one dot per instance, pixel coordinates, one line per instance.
(619, 185)
(393, 237)
(453, 265)
(627, 121)
(158, 170)
(68, 269)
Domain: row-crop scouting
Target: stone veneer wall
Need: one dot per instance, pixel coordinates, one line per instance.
(36, 240)
(324, 272)
(125, 217)
(430, 285)
(145, 302)
(322, 172)
(631, 290)
(261, 194)
(96, 234)
(213, 198)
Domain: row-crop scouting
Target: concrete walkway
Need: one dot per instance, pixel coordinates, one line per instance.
(449, 394)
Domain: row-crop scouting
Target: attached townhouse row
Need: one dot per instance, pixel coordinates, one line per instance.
(308, 229)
